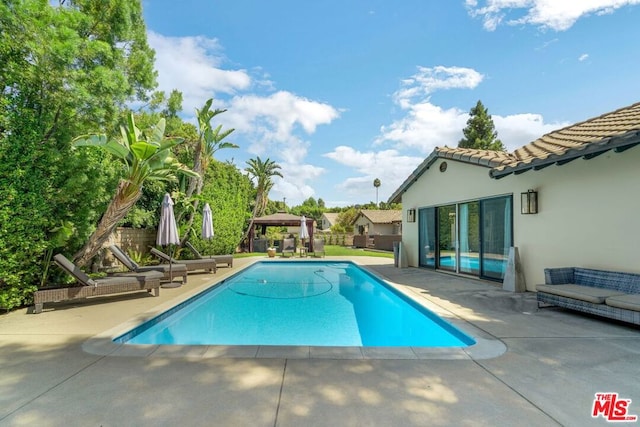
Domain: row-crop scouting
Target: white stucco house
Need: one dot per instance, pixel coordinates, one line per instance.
(569, 198)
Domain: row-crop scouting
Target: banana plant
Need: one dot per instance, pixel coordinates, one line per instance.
(145, 156)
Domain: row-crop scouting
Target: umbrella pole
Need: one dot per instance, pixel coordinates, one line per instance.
(171, 283)
(170, 262)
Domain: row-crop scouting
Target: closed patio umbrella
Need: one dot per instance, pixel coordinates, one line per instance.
(304, 233)
(168, 234)
(207, 222)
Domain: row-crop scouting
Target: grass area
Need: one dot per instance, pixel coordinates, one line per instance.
(331, 250)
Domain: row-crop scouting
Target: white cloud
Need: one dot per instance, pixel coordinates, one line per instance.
(273, 124)
(387, 165)
(583, 57)
(426, 125)
(193, 66)
(557, 15)
(428, 80)
(517, 130)
(276, 120)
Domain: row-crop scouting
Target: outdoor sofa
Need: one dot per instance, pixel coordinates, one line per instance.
(611, 294)
(220, 259)
(118, 283)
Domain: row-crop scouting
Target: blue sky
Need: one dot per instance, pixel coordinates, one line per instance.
(342, 92)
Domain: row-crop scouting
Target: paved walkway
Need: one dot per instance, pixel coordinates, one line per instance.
(554, 363)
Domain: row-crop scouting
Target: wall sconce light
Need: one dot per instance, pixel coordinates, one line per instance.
(529, 202)
(411, 215)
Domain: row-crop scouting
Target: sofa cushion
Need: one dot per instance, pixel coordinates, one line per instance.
(582, 293)
(629, 302)
(625, 282)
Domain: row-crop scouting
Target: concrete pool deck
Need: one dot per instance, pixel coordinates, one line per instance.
(551, 365)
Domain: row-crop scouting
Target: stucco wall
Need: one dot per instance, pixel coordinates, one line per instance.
(588, 210)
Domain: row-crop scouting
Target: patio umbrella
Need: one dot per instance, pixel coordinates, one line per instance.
(207, 222)
(304, 233)
(168, 233)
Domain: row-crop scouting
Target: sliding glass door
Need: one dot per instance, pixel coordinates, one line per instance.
(496, 236)
(471, 237)
(469, 226)
(427, 237)
(447, 238)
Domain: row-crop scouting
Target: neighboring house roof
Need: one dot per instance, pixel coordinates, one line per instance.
(332, 217)
(618, 130)
(376, 216)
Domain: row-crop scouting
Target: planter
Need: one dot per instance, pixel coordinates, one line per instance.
(271, 252)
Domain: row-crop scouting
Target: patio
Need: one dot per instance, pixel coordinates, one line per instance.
(554, 364)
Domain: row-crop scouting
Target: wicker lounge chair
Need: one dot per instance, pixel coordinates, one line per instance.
(220, 259)
(177, 269)
(206, 264)
(288, 247)
(119, 283)
(318, 248)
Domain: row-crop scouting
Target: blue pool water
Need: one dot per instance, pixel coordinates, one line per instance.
(300, 303)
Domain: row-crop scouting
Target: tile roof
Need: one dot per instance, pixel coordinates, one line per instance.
(378, 216)
(332, 217)
(617, 130)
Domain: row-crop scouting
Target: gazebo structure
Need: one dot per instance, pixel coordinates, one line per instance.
(280, 219)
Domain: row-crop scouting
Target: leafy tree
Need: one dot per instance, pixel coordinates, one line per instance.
(309, 208)
(209, 141)
(229, 192)
(480, 133)
(344, 222)
(146, 157)
(63, 70)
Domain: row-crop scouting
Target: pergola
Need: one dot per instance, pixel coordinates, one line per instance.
(280, 219)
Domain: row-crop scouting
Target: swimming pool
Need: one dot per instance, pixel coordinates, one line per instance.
(299, 303)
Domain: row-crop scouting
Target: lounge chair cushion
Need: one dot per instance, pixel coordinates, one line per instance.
(124, 258)
(629, 301)
(77, 274)
(579, 292)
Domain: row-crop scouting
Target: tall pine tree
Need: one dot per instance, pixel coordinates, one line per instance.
(480, 133)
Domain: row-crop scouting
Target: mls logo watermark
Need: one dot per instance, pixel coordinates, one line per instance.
(612, 408)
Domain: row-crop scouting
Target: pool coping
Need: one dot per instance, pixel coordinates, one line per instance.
(486, 346)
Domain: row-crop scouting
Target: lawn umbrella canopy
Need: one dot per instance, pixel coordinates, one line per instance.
(168, 233)
(304, 232)
(167, 229)
(207, 222)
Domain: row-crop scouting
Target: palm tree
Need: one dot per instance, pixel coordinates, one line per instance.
(376, 183)
(146, 156)
(209, 141)
(261, 172)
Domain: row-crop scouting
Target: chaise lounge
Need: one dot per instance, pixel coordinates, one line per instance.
(119, 283)
(220, 259)
(288, 247)
(177, 269)
(206, 264)
(318, 248)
